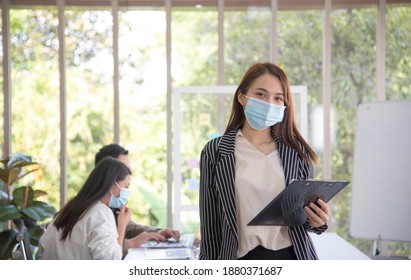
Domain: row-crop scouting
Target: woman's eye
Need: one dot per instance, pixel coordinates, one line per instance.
(260, 94)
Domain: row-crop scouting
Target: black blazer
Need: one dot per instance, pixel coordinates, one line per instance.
(219, 237)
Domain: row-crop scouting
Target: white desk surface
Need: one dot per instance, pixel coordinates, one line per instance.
(135, 254)
(329, 246)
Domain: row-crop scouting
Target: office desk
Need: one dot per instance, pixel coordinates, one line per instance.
(329, 246)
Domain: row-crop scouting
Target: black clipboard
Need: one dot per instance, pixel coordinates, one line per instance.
(287, 208)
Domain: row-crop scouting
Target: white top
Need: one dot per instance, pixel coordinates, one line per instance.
(258, 179)
(94, 237)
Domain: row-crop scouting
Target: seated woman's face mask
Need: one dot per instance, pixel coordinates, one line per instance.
(118, 202)
(261, 115)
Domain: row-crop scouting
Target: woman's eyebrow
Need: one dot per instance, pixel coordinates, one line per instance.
(263, 89)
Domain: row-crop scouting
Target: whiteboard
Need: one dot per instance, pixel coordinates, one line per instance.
(381, 184)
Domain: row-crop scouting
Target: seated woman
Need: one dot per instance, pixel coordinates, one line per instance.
(85, 229)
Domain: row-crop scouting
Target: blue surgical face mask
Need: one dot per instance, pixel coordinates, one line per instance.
(118, 202)
(261, 115)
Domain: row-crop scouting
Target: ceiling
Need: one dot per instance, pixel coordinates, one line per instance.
(240, 4)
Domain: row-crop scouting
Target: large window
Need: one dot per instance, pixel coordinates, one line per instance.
(35, 91)
(300, 55)
(194, 63)
(194, 57)
(89, 76)
(143, 87)
(398, 61)
(246, 40)
(1, 85)
(353, 82)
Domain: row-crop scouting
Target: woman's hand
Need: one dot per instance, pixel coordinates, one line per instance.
(143, 237)
(318, 214)
(123, 218)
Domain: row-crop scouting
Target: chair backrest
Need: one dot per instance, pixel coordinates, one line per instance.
(22, 250)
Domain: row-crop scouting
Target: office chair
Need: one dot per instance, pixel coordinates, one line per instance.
(22, 250)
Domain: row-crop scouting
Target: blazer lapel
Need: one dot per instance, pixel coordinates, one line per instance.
(225, 175)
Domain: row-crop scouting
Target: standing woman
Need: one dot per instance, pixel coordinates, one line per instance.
(260, 153)
(85, 229)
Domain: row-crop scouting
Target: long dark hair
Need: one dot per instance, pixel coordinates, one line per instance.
(286, 131)
(98, 183)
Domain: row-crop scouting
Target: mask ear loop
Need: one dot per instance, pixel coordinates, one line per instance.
(118, 186)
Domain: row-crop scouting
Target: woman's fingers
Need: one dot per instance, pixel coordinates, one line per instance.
(317, 214)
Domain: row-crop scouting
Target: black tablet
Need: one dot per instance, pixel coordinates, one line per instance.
(287, 208)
